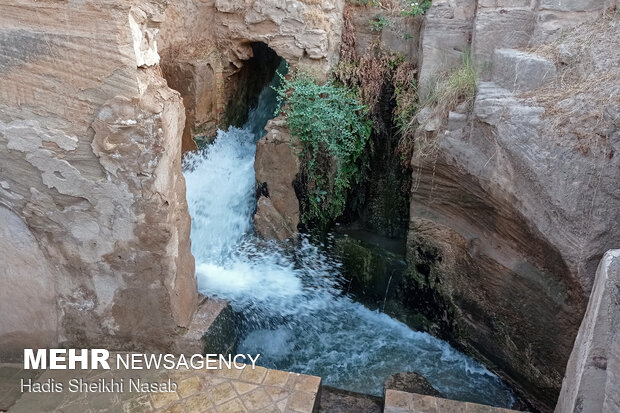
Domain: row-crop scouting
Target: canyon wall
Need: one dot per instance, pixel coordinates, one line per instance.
(95, 229)
(92, 130)
(514, 208)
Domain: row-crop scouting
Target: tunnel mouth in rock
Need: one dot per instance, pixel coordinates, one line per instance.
(217, 91)
(247, 84)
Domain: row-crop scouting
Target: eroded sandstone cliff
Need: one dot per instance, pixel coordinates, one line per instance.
(510, 214)
(91, 181)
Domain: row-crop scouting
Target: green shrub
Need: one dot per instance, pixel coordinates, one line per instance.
(378, 23)
(417, 8)
(331, 124)
(374, 3)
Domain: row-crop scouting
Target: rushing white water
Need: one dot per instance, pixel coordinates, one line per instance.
(294, 314)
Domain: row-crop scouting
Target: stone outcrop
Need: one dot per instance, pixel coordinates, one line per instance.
(399, 36)
(512, 212)
(302, 32)
(402, 402)
(277, 164)
(27, 277)
(342, 401)
(93, 195)
(206, 44)
(592, 380)
(411, 382)
(520, 71)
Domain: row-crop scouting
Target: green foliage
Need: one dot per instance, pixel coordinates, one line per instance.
(417, 8)
(378, 23)
(396, 61)
(407, 106)
(331, 124)
(374, 3)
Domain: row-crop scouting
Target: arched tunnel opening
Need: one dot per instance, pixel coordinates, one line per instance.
(217, 91)
(248, 83)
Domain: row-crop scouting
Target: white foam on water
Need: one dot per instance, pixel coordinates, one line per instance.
(294, 314)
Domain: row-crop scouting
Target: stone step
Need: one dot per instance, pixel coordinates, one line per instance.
(225, 390)
(402, 402)
(520, 71)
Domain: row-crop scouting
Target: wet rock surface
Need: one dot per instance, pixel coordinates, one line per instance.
(332, 400)
(277, 165)
(411, 382)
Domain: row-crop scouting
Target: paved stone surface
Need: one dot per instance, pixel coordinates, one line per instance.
(196, 391)
(401, 402)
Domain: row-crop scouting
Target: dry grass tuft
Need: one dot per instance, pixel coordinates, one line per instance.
(450, 90)
(407, 106)
(316, 18)
(583, 103)
(453, 88)
(347, 47)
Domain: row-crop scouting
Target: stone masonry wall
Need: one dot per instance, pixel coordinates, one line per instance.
(592, 381)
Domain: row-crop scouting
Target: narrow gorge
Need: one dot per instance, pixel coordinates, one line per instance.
(355, 190)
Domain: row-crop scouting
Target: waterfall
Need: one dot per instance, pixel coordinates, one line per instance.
(294, 313)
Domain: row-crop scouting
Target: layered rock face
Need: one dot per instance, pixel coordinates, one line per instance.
(94, 221)
(205, 45)
(513, 211)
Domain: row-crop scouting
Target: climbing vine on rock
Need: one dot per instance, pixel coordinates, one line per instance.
(332, 126)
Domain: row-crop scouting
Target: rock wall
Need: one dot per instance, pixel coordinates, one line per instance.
(519, 200)
(592, 380)
(205, 44)
(277, 164)
(26, 274)
(91, 186)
